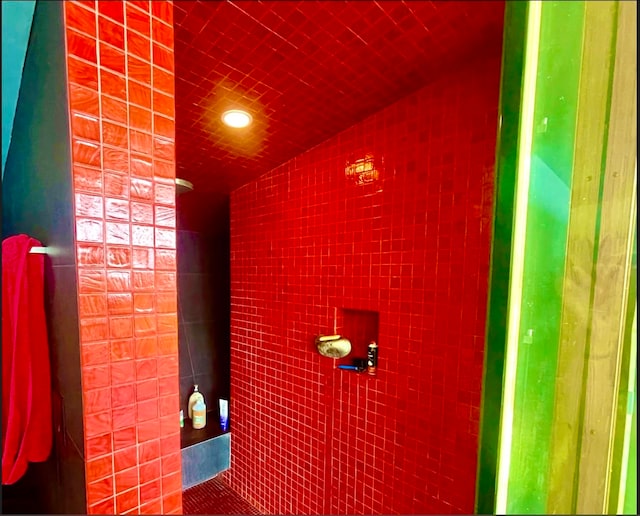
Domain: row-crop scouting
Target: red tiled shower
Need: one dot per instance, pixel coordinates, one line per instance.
(412, 247)
(410, 90)
(358, 202)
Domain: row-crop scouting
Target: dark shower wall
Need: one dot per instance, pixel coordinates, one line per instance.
(203, 298)
(408, 257)
(37, 200)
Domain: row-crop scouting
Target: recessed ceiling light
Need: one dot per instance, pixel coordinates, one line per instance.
(236, 118)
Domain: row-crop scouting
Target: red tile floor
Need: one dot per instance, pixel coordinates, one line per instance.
(214, 497)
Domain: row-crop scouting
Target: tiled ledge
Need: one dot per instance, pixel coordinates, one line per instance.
(204, 460)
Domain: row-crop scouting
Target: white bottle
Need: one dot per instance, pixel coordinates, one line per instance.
(193, 399)
(199, 415)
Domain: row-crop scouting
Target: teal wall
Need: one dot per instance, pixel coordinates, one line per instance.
(16, 27)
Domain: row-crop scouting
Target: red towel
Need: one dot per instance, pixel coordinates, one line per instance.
(26, 377)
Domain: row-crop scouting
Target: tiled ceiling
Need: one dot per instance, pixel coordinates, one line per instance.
(305, 70)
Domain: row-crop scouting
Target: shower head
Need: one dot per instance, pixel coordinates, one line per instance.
(183, 186)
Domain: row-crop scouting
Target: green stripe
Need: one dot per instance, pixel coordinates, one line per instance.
(506, 156)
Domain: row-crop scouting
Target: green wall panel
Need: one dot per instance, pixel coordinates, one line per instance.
(555, 103)
(506, 156)
(551, 161)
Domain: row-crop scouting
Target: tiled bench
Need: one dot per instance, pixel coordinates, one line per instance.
(205, 453)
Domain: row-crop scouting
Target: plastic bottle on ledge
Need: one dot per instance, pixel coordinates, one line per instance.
(193, 399)
(199, 415)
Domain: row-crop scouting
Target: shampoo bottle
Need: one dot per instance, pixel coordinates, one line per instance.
(193, 399)
(199, 414)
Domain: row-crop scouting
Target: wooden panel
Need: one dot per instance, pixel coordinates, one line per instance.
(599, 32)
(617, 225)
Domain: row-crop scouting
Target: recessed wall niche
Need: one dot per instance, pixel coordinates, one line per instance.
(360, 327)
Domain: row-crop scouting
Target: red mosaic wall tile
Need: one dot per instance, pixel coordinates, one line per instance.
(412, 246)
(127, 298)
